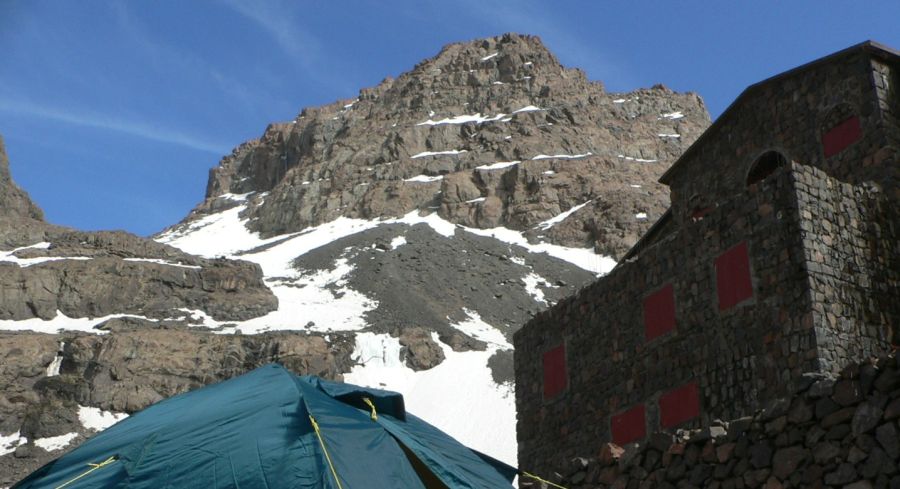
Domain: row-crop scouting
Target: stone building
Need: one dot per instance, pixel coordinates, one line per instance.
(778, 260)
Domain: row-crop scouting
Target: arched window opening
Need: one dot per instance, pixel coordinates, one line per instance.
(699, 207)
(698, 213)
(764, 166)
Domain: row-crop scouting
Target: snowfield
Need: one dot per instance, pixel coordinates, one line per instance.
(459, 396)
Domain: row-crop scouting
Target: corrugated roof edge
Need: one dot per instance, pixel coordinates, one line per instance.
(871, 46)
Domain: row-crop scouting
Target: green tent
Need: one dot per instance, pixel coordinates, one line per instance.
(272, 429)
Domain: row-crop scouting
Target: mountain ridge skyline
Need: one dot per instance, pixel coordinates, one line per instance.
(215, 74)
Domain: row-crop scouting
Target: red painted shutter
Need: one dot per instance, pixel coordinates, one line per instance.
(679, 405)
(555, 377)
(842, 135)
(659, 312)
(733, 281)
(629, 426)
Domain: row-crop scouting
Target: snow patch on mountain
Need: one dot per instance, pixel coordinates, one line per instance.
(549, 223)
(96, 419)
(449, 396)
(8, 443)
(477, 328)
(314, 301)
(498, 165)
(562, 156)
(424, 179)
(162, 262)
(10, 256)
(533, 284)
(423, 154)
(398, 242)
(61, 322)
(54, 443)
(53, 368)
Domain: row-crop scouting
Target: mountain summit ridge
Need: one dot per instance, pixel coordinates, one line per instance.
(436, 137)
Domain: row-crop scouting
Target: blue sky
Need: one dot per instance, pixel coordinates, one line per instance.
(113, 112)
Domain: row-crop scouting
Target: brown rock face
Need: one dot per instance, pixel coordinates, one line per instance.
(451, 118)
(130, 369)
(99, 278)
(49, 269)
(95, 274)
(14, 202)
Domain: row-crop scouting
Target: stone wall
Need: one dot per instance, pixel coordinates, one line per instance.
(792, 115)
(851, 245)
(887, 83)
(836, 432)
(672, 338)
(732, 358)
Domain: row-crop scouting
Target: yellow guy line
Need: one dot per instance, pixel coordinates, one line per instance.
(526, 474)
(327, 457)
(369, 403)
(93, 467)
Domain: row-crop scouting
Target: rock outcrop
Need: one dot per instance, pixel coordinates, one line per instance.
(53, 278)
(14, 202)
(101, 274)
(134, 366)
(445, 135)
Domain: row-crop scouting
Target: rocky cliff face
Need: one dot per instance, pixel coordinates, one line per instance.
(488, 133)
(141, 296)
(136, 364)
(395, 240)
(14, 202)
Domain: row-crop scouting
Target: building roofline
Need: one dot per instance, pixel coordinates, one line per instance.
(869, 46)
(641, 242)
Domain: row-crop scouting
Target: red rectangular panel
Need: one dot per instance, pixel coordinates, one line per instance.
(629, 426)
(733, 281)
(842, 135)
(679, 405)
(659, 312)
(555, 377)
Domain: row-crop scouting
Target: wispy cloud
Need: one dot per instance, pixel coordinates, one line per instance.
(275, 18)
(283, 23)
(140, 129)
(169, 58)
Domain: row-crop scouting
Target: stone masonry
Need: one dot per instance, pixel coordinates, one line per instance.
(777, 260)
(834, 432)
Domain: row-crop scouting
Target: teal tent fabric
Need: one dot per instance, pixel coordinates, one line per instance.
(254, 431)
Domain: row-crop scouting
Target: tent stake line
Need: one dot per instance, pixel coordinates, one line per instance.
(327, 457)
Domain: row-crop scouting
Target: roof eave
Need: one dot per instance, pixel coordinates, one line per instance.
(870, 46)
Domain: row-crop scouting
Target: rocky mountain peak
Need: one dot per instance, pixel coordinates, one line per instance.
(514, 56)
(491, 132)
(14, 202)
